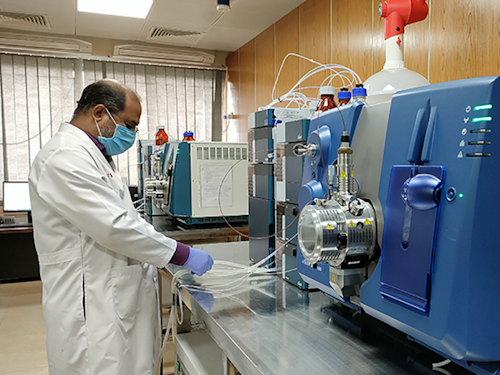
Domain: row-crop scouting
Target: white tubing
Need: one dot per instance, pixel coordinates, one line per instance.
(221, 269)
(348, 76)
(441, 364)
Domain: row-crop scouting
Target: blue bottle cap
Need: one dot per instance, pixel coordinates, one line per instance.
(359, 91)
(188, 134)
(344, 95)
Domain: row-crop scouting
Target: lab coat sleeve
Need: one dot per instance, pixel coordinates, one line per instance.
(72, 184)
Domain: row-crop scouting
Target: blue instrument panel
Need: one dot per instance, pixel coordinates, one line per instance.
(440, 290)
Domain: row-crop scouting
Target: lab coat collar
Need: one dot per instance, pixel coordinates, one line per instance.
(69, 128)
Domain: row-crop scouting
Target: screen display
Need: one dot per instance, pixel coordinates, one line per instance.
(16, 196)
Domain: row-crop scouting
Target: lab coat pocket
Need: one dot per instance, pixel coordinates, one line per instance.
(126, 282)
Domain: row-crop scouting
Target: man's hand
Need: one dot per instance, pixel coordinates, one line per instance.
(198, 261)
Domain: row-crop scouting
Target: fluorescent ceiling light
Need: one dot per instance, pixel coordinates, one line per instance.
(123, 8)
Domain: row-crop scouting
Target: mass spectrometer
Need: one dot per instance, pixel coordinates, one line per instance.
(399, 215)
(399, 212)
(195, 182)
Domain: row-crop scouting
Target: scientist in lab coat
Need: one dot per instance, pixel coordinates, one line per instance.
(98, 257)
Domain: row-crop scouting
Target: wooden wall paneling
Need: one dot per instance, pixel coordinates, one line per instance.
(465, 39)
(287, 41)
(314, 40)
(464, 43)
(452, 54)
(247, 84)
(351, 44)
(416, 47)
(378, 39)
(486, 37)
(264, 67)
(232, 126)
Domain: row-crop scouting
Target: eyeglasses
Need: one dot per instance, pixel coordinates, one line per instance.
(129, 125)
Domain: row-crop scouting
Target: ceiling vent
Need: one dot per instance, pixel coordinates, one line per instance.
(24, 43)
(170, 36)
(164, 55)
(24, 20)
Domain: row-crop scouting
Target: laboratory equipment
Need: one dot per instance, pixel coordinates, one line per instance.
(194, 182)
(260, 184)
(398, 218)
(288, 181)
(398, 211)
(274, 184)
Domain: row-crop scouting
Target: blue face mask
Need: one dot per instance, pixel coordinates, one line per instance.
(122, 139)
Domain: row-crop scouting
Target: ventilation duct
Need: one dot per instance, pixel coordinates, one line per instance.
(24, 20)
(164, 55)
(172, 36)
(27, 43)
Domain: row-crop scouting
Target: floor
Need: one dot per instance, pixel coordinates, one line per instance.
(22, 331)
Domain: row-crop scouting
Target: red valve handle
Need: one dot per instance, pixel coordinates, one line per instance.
(399, 13)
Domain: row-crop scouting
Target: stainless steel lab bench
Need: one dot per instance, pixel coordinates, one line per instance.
(270, 327)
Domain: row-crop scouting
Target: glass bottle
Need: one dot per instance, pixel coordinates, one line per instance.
(327, 100)
(359, 94)
(188, 136)
(161, 137)
(344, 96)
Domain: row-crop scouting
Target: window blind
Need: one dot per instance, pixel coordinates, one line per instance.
(38, 93)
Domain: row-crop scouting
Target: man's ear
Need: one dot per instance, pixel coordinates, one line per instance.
(98, 112)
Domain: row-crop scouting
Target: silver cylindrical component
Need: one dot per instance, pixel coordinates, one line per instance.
(320, 231)
(330, 233)
(331, 175)
(345, 173)
(345, 168)
(157, 164)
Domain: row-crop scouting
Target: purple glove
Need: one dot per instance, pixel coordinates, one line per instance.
(198, 261)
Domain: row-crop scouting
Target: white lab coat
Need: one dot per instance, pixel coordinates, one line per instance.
(98, 262)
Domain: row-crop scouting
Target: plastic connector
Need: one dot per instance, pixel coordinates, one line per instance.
(399, 13)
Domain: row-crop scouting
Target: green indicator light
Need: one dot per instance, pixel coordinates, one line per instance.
(312, 164)
(481, 107)
(460, 195)
(481, 119)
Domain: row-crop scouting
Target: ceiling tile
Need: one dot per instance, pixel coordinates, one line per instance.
(103, 26)
(183, 15)
(226, 39)
(245, 20)
(61, 13)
